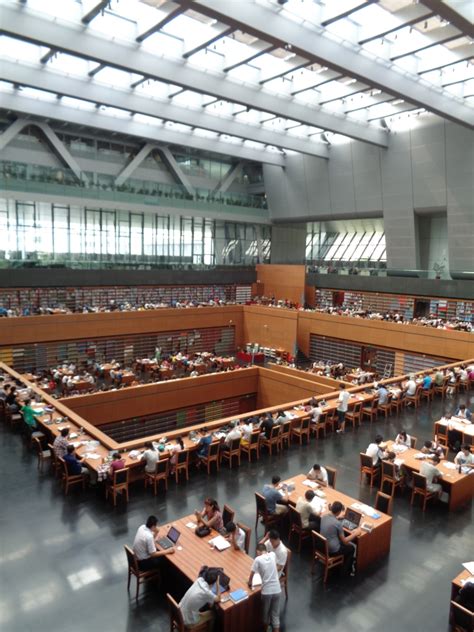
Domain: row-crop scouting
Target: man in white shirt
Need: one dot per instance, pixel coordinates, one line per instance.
(411, 386)
(199, 595)
(342, 407)
(151, 457)
(234, 433)
(144, 545)
(265, 565)
(464, 457)
(375, 451)
(236, 536)
(315, 411)
(432, 474)
(273, 544)
(319, 474)
(247, 429)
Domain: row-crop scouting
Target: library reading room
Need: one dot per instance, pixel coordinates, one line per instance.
(237, 315)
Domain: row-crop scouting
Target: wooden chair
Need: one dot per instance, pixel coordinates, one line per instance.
(43, 455)
(354, 415)
(398, 403)
(296, 527)
(301, 430)
(248, 535)
(442, 388)
(332, 420)
(386, 408)
(161, 473)
(368, 468)
(462, 618)
(55, 464)
(332, 473)
(69, 480)
(420, 489)
(383, 503)
(389, 478)
(371, 411)
(273, 441)
(285, 434)
(228, 514)
(141, 576)
(268, 519)
(414, 399)
(252, 446)
(177, 621)
(319, 426)
(321, 554)
(182, 464)
(427, 393)
(233, 451)
(413, 442)
(213, 456)
(441, 435)
(464, 385)
(118, 484)
(284, 574)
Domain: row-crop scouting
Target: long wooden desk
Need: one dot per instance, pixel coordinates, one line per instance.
(195, 553)
(456, 586)
(460, 487)
(370, 546)
(466, 430)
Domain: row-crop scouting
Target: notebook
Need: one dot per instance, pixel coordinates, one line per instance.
(220, 543)
(238, 595)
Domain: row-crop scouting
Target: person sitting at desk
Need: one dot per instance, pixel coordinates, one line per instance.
(204, 443)
(61, 443)
(411, 386)
(310, 518)
(235, 535)
(117, 464)
(315, 410)
(338, 542)
(319, 474)
(431, 447)
(391, 457)
(465, 457)
(427, 381)
(198, 596)
(439, 378)
(144, 545)
(465, 597)
(403, 438)
(173, 450)
(247, 429)
(275, 499)
(281, 417)
(29, 415)
(375, 451)
(11, 400)
(210, 515)
(266, 425)
(273, 544)
(382, 394)
(265, 565)
(234, 433)
(151, 457)
(74, 463)
(432, 475)
(463, 413)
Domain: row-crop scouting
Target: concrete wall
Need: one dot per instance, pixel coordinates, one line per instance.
(428, 168)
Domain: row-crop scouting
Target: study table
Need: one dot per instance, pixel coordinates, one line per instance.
(370, 546)
(466, 430)
(460, 487)
(196, 552)
(457, 584)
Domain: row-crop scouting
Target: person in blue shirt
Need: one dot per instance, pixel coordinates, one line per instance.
(204, 443)
(276, 499)
(382, 395)
(73, 463)
(427, 380)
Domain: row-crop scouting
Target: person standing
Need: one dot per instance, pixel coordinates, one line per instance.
(342, 407)
(266, 566)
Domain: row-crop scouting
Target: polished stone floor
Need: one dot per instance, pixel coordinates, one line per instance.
(63, 568)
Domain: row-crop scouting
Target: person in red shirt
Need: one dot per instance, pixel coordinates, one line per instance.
(117, 464)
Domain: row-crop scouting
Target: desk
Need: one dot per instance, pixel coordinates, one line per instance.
(196, 552)
(456, 586)
(370, 546)
(332, 404)
(128, 377)
(460, 487)
(466, 430)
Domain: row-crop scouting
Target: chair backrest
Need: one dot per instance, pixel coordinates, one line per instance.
(442, 430)
(235, 445)
(248, 534)
(413, 442)
(383, 503)
(332, 473)
(228, 514)
(358, 408)
(261, 503)
(375, 403)
(275, 432)
(305, 423)
(320, 544)
(214, 449)
(37, 445)
(365, 460)
(388, 469)
(183, 457)
(285, 428)
(295, 517)
(64, 466)
(131, 559)
(176, 616)
(419, 481)
(463, 618)
(121, 476)
(163, 467)
(254, 437)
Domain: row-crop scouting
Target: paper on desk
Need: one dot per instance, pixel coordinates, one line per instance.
(420, 455)
(399, 462)
(256, 580)
(191, 525)
(309, 483)
(399, 448)
(469, 566)
(220, 543)
(92, 455)
(448, 465)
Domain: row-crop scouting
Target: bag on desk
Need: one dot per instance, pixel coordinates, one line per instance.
(202, 531)
(224, 580)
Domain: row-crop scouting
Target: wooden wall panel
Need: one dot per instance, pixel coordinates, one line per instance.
(282, 281)
(138, 401)
(32, 329)
(310, 295)
(454, 345)
(275, 388)
(270, 327)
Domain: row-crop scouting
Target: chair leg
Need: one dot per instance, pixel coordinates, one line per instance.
(128, 583)
(138, 588)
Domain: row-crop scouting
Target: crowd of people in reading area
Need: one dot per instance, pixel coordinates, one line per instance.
(68, 379)
(391, 316)
(111, 306)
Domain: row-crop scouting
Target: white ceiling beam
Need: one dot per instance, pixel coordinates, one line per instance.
(60, 148)
(330, 18)
(19, 22)
(176, 170)
(12, 130)
(233, 173)
(408, 16)
(159, 25)
(46, 79)
(192, 51)
(96, 120)
(133, 165)
(274, 27)
(94, 12)
(462, 17)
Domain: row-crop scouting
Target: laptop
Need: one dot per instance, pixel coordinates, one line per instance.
(169, 540)
(351, 519)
